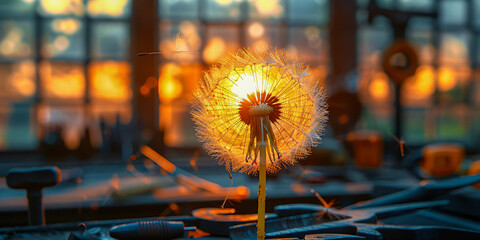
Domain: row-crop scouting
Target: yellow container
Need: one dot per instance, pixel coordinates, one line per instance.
(367, 148)
(443, 159)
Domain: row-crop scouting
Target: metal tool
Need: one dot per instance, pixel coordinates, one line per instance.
(34, 180)
(217, 221)
(149, 230)
(325, 220)
(425, 191)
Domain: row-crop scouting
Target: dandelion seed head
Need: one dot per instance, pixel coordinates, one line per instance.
(266, 83)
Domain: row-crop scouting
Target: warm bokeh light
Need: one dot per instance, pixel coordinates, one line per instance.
(62, 80)
(215, 49)
(12, 44)
(63, 7)
(187, 41)
(107, 7)
(379, 87)
(446, 79)
(67, 26)
(110, 80)
(18, 80)
(268, 8)
(169, 87)
(256, 30)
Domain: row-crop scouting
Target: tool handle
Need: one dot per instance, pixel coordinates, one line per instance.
(148, 230)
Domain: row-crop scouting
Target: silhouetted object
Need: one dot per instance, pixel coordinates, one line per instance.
(400, 60)
(85, 149)
(34, 180)
(52, 144)
(148, 230)
(345, 110)
(112, 137)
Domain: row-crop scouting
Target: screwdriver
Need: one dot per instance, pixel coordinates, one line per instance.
(149, 230)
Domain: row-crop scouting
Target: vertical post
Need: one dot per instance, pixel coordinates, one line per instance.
(144, 36)
(262, 180)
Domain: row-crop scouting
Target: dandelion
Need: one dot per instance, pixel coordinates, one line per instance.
(255, 106)
(248, 86)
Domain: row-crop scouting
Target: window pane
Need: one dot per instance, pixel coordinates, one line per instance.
(223, 10)
(110, 40)
(14, 8)
(62, 81)
(416, 5)
(454, 48)
(110, 112)
(17, 81)
(309, 43)
(266, 9)
(63, 38)
(262, 35)
(110, 81)
(61, 7)
(16, 39)
(220, 41)
(180, 41)
(69, 120)
(453, 12)
(17, 131)
(178, 9)
(109, 9)
(308, 11)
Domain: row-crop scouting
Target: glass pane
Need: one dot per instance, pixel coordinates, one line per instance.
(308, 11)
(220, 41)
(416, 125)
(416, 5)
(454, 48)
(180, 41)
(62, 81)
(61, 7)
(454, 122)
(108, 8)
(63, 38)
(110, 81)
(14, 8)
(223, 10)
(178, 9)
(262, 35)
(177, 81)
(16, 39)
(453, 12)
(266, 9)
(17, 131)
(17, 81)
(476, 13)
(110, 40)
(69, 120)
(310, 43)
(110, 112)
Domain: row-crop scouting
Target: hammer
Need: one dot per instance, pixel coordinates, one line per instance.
(34, 180)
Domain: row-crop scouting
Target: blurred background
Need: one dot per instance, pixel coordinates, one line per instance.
(74, 93)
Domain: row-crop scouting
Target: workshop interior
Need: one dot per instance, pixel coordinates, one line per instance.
(118, 119)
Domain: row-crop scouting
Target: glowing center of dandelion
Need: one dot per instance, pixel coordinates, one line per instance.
(259, 110)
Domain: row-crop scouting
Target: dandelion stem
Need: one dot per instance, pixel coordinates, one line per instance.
(262, 180)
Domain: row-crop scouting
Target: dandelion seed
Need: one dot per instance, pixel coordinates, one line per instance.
(247, 86)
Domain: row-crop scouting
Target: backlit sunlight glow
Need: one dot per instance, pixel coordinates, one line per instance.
(250, 81)
(63, 7)
(215, 49)
(110, 80)
(62, 80)
(268, 8)
(19, 80)
(169, 87)
(67, 26)
(446, 79)
(379, 87)
(107, 7)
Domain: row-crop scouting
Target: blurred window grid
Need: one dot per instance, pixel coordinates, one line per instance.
(196, 33)
(62, 63)
(440, 100)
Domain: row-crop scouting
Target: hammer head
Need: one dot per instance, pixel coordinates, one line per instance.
(33, 178)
